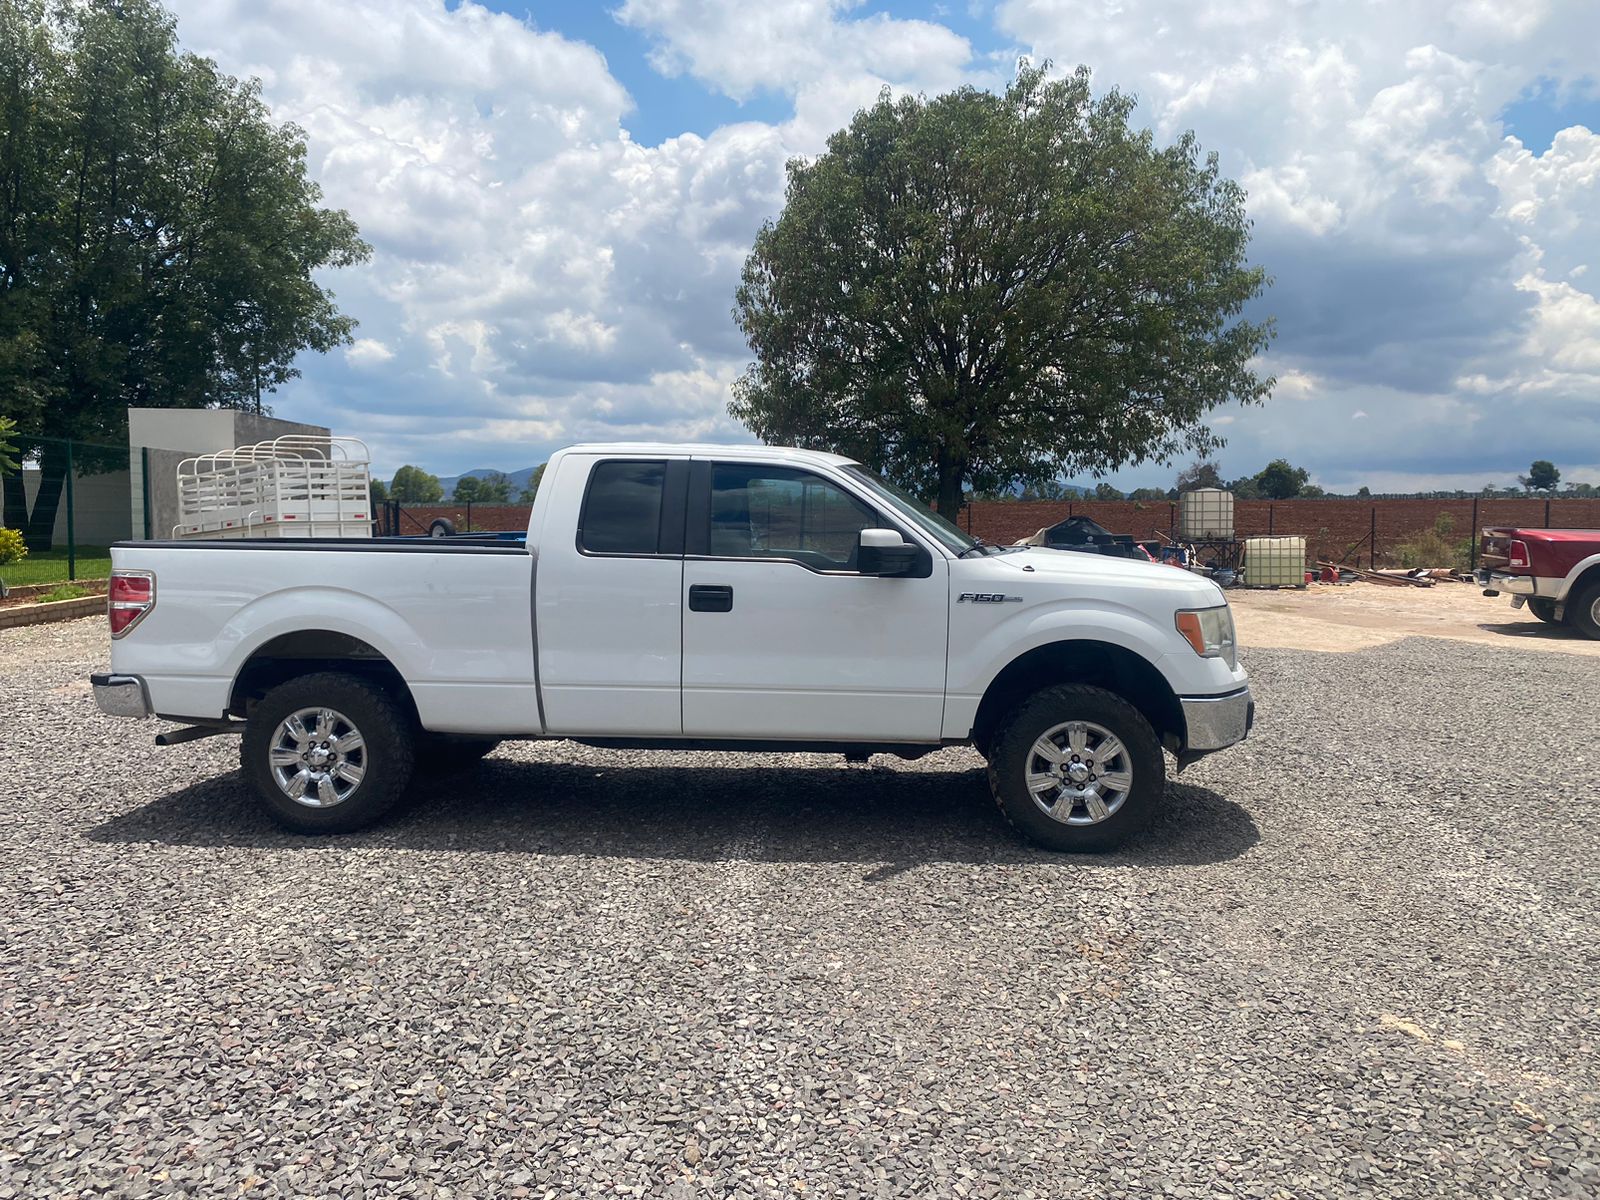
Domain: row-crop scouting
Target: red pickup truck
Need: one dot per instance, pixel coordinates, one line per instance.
(1555, 572)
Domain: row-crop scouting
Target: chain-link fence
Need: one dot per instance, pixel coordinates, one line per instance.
(70, 500)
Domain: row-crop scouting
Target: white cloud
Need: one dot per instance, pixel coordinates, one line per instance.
(367, 352)
(741, 47)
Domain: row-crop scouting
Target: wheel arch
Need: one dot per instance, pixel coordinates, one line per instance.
(1584, 575)
(1118, 669)
(308, 652)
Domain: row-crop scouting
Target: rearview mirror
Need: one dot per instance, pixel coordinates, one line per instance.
(885, 552)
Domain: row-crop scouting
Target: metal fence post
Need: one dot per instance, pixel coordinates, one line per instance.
(1547, 512)
(1372, 535)
(1472, 562)
(1269, 520)
(72, 540)
(144, 481)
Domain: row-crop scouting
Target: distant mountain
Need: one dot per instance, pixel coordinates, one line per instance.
(519, 479)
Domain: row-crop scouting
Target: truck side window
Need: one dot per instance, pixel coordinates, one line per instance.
(622, 508)
(779, 512)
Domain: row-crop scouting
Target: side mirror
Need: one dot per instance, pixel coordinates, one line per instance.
(885, 552)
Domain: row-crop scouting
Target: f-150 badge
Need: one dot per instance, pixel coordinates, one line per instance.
(987, 598)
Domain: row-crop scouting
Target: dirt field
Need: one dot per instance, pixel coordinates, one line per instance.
(1356, 616)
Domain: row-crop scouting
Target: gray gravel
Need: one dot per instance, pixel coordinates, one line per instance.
(1356, 957)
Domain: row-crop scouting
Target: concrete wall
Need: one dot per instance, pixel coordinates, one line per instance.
(173, 434)
(100, 513)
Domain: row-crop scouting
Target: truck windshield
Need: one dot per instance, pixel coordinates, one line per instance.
(945, 532)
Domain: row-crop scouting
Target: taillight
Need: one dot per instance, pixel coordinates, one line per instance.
(130, 596)
(1519, 555)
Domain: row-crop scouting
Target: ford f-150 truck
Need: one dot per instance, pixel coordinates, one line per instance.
(1555, 572)
(684, 597)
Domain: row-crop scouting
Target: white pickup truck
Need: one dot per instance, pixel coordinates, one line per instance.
(683, 597)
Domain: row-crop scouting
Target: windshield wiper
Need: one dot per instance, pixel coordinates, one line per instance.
(978, 544)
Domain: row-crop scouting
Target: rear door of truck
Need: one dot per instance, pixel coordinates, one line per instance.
(608, 621)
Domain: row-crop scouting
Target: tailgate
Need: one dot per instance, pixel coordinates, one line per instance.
(1495, 550)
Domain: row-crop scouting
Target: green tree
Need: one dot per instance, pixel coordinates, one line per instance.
(378, 493)
(8, 446)
(1542, 476)
(1364, 492)
(413, 485)
(492, 487)
(532, 489)
(1147, 495)
(1281, 481)
(1105, 491)
(1000, 289)
(1200, 474)
(159, 237)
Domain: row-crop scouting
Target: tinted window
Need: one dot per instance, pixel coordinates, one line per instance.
(776, 512)
(622, 510)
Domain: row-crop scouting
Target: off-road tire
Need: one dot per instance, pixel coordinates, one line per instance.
(1544, 609)
(440, 752)
(1012, 746)
(389, 743)
(1581, 611)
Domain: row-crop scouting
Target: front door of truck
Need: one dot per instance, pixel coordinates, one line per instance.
(783, 637)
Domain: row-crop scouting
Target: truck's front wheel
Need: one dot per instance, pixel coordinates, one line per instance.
(327, 753)
(1077, 768)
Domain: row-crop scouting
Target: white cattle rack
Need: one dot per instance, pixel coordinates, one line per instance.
(293, 486)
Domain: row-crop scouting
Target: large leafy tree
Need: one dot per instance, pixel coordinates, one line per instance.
(992, 289)
(159, 235)
(492, 487)
(1281, 480)
(413, 485)
(1542, 476)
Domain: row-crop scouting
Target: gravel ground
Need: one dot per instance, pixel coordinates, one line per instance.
(1355, 957)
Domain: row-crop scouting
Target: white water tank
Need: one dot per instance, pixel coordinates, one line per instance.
(1275, 561)
(1205, 513)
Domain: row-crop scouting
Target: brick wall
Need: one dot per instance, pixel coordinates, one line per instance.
(1330, 527)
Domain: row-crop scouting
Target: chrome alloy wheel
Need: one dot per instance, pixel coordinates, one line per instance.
(318, 757)
(1079, 773)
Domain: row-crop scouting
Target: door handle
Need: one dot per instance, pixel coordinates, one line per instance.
(710, 597)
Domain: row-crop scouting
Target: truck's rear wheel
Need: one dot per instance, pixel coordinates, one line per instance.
(1583, 611)
(1544, 609)
(327, 753)
(1077, 768)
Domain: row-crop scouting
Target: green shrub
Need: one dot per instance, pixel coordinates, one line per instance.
(67, 591)
(12, 547)
(1436, 548)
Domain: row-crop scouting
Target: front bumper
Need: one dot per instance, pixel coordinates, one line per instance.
(121, 696)
(1515, 585)
(1213, 722)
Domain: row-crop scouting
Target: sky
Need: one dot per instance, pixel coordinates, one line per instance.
(560, 196)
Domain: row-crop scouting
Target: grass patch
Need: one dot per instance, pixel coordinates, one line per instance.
(67, 591)
(1436, 547)
(50, 566)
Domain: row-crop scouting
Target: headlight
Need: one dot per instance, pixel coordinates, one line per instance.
(1210, 632)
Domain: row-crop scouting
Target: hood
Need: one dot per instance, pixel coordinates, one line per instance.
(1091, 570)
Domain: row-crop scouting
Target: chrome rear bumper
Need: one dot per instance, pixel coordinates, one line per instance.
(1495, 582)
(1214, 722)
(121, 695)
